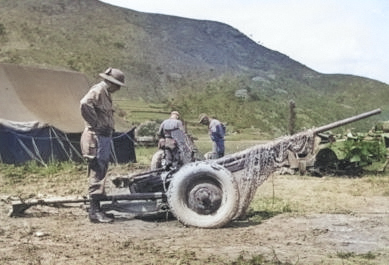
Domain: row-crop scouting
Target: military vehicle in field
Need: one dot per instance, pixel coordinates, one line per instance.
(353, 153)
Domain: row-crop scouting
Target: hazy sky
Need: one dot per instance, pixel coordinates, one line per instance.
(329, 36)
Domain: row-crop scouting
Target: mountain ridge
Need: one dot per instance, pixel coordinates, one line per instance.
(169, 59)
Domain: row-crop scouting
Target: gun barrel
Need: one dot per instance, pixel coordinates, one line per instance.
(234, 161)
(347, 121)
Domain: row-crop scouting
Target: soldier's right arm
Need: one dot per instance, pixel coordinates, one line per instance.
(88, 111)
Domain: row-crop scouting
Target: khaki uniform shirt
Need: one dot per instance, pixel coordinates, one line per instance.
(97, 110)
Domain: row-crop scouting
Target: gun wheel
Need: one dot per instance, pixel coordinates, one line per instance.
(327, 162)
(203, 195)
(156, 160)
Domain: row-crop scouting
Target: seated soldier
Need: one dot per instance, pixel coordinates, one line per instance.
(170, 133)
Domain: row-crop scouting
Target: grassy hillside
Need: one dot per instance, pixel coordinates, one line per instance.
(189, 65)
(265, 112)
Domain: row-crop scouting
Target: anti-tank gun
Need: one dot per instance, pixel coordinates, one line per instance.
(212, 193)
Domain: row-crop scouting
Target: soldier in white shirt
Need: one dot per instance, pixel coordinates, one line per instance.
(216, 132)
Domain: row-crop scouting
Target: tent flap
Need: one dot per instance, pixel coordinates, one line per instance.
(46, 144)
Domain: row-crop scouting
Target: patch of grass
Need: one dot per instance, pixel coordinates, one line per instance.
(345, 255)
(34, 168)
(138, 112)
(369, 255)
(378, 183)
(353, 256)
(245, 259)
(144, 154)
(16, 179)
(254, 260)
(267, 207)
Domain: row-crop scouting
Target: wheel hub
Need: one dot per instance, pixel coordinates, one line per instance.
(205, 198)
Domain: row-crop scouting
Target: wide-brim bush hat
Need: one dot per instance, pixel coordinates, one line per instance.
(113, 75)
(203, 117)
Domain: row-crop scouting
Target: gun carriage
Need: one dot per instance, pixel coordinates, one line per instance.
(206, 193)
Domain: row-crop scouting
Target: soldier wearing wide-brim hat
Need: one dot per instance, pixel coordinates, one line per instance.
(114, 76)
(97, 111)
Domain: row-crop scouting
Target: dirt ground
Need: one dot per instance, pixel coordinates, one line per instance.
(333, 221)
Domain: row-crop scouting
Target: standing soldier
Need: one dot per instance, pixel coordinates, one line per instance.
(216, 132)
(97, 111)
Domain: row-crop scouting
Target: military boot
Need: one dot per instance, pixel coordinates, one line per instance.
(96, 215)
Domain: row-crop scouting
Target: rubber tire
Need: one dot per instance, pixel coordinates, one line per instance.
(156, 160)
(327, 162)
(199, 178)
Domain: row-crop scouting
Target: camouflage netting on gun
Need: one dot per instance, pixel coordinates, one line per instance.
(185, 145)
(260, 161)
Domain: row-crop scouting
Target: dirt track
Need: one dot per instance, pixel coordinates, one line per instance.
(340, 231)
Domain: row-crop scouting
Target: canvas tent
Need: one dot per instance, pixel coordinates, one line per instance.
(40, 117)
